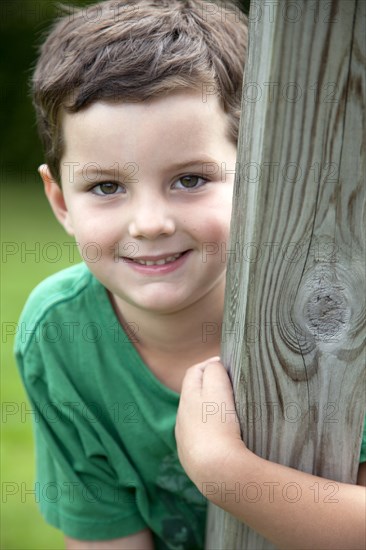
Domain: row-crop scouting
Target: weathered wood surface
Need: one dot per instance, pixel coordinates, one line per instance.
(294, 327)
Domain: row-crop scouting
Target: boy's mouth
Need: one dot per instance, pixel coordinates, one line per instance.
(157, 260)
(162, 261)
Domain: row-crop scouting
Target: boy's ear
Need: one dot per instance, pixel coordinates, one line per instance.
(56, 199)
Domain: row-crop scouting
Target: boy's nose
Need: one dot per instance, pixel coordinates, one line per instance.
(151, 219)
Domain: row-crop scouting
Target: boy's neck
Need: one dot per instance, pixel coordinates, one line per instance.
(189, 336)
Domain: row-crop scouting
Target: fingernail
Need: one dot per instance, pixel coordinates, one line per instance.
(212, 359)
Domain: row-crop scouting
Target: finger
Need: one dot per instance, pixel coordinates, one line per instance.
(194, 375)
(216, 378)
(217, 388)
(215, 370)
(206, 362)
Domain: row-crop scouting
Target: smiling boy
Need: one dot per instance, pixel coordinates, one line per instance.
(140, 165)
(169, 211)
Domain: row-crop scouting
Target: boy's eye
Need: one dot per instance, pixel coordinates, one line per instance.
(107, 188)
(190, 182)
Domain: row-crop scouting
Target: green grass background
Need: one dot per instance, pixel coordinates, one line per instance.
(26, 219)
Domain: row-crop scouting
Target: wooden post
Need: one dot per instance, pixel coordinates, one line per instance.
(294, 325)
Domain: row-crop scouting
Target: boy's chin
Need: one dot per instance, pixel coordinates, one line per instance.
(160, 304)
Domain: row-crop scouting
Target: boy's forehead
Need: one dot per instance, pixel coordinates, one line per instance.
(179, 104)
(183, 118)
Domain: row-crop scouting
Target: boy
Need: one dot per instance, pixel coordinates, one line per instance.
(132, 143)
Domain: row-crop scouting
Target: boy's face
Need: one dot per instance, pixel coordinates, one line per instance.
(136, 184)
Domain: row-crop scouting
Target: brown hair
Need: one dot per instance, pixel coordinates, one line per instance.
(135, 50)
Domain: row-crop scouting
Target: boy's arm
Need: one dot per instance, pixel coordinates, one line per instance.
(139, 541)
(290, 508)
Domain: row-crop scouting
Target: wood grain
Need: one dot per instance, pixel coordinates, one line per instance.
(295, 296)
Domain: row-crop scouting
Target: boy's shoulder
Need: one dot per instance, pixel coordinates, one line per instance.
(60, 288)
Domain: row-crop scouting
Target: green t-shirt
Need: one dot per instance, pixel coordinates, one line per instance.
(106, 457)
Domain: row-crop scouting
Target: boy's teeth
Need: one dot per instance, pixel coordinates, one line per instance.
(159, 262)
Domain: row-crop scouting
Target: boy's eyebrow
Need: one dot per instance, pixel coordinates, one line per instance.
(120, 168)
(97, 169)
(196, 162)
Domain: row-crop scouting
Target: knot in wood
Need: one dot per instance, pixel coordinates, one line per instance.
(326, 312)
(325, 304)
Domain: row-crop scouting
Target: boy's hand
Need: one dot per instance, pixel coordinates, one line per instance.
(207, 428)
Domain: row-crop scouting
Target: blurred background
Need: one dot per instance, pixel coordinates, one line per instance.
(33, 247)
